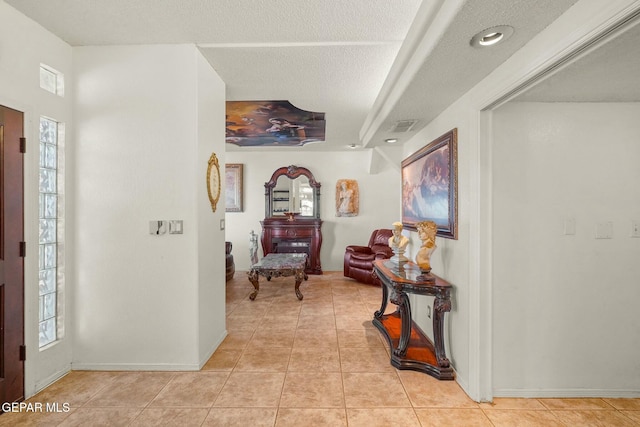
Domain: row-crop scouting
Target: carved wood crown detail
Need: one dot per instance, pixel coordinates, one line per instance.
(292, 172)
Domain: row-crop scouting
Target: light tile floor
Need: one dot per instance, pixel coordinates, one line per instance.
(316, 362)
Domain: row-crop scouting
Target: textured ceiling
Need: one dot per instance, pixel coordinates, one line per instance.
(338, 57)
(608, 73)
(113, 22)
(342, 81)
(329, 56)
(454, 66)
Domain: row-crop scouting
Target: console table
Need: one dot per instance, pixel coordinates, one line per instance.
(410, 347)
(279, 265)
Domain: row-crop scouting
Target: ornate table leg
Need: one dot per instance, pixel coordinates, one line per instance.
(300, 274)
(385, 295)
(440, 306)
(402, 300)
(253, 278)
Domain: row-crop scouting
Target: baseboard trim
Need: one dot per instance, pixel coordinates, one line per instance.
(566, 393)
(133, 367)
(79, 366)
(214, 347)
(41, 385)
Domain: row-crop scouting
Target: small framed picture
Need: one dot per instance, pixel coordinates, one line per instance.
(233, 182)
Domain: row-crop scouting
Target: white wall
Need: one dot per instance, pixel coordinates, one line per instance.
(467, 262)
(565, 305)
(379, 199)
(451, 258)
(24, 45)
(210, 238)
(141, 155)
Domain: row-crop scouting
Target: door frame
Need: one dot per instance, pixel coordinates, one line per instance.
(13, 246)
(540, 58)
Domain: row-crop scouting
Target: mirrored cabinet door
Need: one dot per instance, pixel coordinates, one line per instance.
(292, 191)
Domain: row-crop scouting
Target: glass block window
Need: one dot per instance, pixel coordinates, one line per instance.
(51, 80)
(49, 237)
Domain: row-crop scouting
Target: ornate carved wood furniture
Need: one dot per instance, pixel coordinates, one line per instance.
(292, 221)
(410, 347)
(279, 265)
(230, 264)
(358, 260)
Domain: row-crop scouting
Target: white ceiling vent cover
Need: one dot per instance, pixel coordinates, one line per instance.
(403, 126)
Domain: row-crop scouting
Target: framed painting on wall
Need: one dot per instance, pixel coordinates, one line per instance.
(430, 186)
(233, 187)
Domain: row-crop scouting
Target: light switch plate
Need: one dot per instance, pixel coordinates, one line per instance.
(157, 227)
(604, 230)
(175, 226)
(569, 226)
(222, 224)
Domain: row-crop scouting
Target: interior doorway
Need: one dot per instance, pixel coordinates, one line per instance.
(11, 256)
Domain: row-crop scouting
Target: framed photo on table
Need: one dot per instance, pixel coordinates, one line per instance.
(430, 186)
(233, 189)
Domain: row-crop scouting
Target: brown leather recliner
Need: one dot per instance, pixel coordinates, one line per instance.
(358, 260)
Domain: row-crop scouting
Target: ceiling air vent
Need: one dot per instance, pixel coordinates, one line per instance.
(403, 125)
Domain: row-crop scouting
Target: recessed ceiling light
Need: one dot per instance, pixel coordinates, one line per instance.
(492, 36)
(391, 140)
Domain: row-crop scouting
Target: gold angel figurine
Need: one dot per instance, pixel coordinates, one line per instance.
(427, 233)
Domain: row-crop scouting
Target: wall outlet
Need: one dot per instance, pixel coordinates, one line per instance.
(635, 228)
